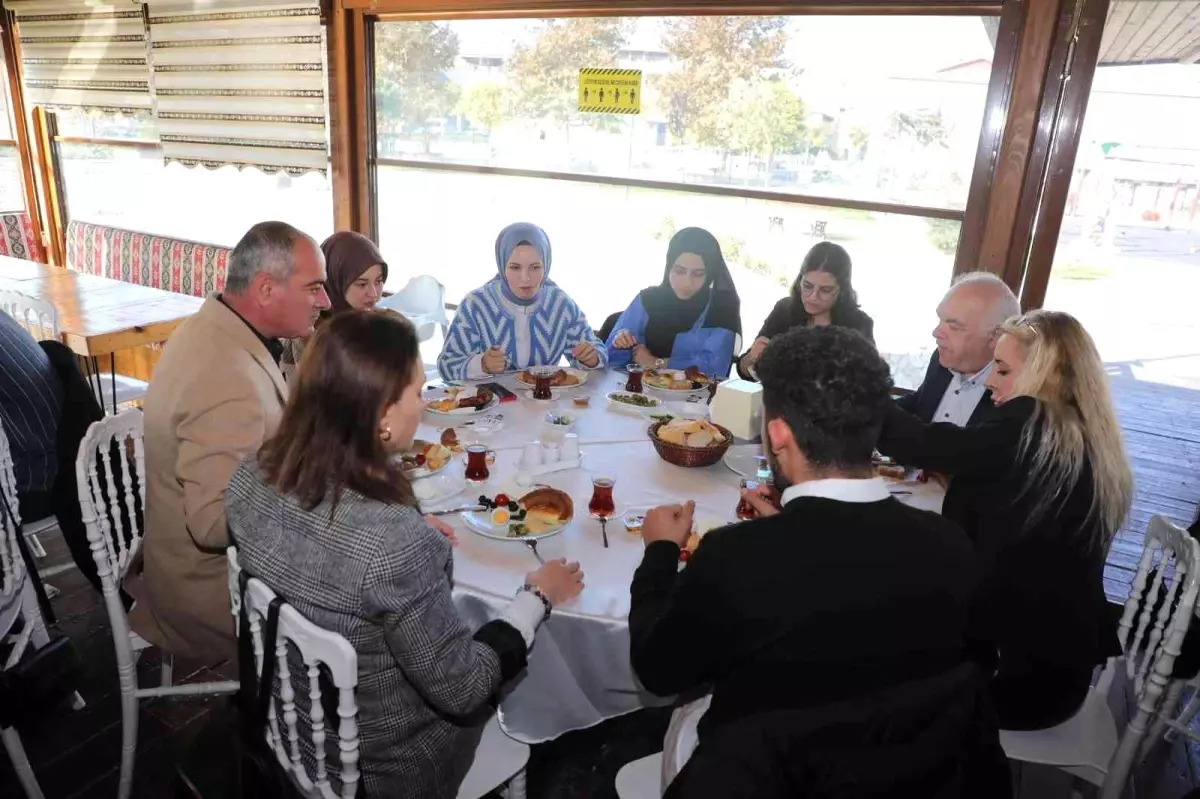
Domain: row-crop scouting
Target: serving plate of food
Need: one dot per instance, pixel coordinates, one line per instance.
(690, 442)
(624, 400)
(460, 401)
(677, 381)
(562, 378)
(424, 459)
(542, 513)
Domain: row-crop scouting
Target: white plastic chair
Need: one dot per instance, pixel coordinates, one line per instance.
(498, 759)
(18, 603)
(649, 777)
(40, 318)
(101, 500)
(423, 302)
(1086, 745)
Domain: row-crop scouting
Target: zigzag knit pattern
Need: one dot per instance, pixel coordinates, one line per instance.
(556, 326)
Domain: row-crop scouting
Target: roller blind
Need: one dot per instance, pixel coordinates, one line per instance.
(239, 84)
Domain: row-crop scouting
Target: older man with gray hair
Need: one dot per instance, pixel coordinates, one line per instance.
(217, 393)
(969, 319)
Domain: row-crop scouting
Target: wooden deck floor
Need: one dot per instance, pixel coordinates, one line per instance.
(1162, 434)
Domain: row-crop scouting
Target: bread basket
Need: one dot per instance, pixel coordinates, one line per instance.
(689, 457)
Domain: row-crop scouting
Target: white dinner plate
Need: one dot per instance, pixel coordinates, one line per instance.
(743, 459)
(579, 373)
(440, 393)
(422, 472)
(481, 523)
(435, 492)
(678, 375)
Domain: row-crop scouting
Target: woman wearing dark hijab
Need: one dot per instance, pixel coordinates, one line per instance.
(354, 276)
(691, 319)
(821, 295)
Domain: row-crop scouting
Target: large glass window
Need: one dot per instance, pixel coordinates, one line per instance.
(478, 125)
(11, 196)
(1128, 257)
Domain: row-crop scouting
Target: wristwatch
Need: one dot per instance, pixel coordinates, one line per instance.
(659, 363)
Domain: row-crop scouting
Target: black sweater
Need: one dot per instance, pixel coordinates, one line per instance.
(1041, 599)
(803, 621)
(783, 318)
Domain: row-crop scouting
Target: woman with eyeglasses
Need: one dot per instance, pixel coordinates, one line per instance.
(1041, 488)
(821, 295)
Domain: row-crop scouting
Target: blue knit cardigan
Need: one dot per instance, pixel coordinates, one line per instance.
(556, 326)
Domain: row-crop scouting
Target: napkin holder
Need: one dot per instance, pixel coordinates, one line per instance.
(737, 407)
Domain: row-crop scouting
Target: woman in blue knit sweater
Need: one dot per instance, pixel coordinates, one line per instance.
(519, 318)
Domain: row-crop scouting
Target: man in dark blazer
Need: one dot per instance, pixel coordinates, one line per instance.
(969, 320)
(833, 632)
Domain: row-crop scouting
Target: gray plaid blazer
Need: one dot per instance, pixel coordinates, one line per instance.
(381, 576)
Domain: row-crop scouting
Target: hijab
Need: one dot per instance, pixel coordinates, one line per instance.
(668, 316)
(347, 256)
(509, 239)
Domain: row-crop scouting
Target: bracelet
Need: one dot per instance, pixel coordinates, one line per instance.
(537, 592)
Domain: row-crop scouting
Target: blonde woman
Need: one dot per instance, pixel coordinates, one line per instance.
(1041, 489)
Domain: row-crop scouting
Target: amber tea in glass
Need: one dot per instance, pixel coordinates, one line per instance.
(634, 383)
(601, 505)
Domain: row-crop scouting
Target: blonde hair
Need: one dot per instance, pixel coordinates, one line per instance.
(1074, 423)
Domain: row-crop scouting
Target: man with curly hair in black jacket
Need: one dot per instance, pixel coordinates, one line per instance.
(833, 632)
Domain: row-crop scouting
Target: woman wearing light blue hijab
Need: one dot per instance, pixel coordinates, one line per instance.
(519, 318)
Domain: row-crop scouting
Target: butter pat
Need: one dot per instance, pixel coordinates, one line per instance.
(738, 408)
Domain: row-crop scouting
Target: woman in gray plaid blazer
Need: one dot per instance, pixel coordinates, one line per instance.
(324, 517)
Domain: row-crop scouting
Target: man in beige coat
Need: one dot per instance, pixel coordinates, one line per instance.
(216, 394)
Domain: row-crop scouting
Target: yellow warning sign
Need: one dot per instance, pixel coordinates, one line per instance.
(610, 91)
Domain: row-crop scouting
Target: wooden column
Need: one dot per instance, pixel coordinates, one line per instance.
(45, 129)
(1031, 49)
(352, 122)
(20, 130)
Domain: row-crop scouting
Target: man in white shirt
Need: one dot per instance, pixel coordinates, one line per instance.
(969, 319)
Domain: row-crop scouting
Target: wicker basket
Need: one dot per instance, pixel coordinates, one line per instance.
(690, 457)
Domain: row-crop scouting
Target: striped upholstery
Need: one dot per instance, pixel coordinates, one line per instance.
(185, 267)
(16, 235)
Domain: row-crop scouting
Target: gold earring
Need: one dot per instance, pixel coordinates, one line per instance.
(386, 434)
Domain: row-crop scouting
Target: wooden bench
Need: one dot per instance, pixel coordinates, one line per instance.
(16, 235)
(161, 262)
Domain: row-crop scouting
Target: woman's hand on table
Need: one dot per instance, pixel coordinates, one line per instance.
(443, 528)
(756, 351)
(763, 499)
(643, 356)
(494, 361)
(624, 340)
(558, 580)
(586, 354)
(669, 523)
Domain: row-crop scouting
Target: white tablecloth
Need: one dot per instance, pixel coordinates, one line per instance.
(579, 672)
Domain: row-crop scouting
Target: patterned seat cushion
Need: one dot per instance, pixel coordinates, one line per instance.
(16, 235)
(185, 267)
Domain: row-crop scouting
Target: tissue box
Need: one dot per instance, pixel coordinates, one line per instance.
(738, 407)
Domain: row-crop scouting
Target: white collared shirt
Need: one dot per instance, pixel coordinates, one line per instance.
(962, 397)
(871, 489)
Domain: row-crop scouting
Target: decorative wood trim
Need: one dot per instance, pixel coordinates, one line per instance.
(1020, 131)
(991, 133)
(350, 105)
(136, 144)
(1072, 107)
(25, 153)
(45, 130)
(689, 188)
(463, 9)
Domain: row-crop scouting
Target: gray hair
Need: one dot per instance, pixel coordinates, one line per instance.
(267, 247)
(1002, 303)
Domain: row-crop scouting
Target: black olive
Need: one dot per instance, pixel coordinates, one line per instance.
(484, 501)
(513, 506)
(521, 513)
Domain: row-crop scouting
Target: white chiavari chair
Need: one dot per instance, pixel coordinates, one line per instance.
(110, 504)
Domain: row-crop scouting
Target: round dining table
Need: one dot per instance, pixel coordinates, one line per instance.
(579, 672)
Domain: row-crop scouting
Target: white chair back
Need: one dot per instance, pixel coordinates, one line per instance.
(12, 566)
(316, 647)
(1151, 641)
(39, 317)
(114, 537)
(423, 301)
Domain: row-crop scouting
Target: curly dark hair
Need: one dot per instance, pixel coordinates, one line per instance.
(831, 388)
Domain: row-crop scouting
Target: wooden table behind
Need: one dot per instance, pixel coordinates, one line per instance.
(98, 316)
